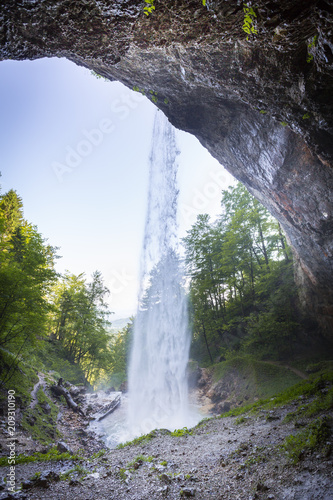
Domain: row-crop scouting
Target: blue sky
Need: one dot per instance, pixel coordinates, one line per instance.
(76, 149)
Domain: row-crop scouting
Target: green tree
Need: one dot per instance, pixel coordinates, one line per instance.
(26, 275)
(235, 266)
(80, 322)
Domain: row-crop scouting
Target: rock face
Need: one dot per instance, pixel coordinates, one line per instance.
(261, 103)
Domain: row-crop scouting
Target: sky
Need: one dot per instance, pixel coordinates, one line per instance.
(76, 149)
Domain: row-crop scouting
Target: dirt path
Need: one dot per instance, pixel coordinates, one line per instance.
(40, 383)
(301, 374)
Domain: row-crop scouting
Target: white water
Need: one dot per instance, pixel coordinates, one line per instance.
(158, 395)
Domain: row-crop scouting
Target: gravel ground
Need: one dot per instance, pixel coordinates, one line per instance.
(223, 458)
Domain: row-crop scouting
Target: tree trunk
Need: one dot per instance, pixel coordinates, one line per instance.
(59, 390)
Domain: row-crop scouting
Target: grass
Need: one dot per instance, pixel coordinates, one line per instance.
(181, 432)
(320, 403)
(313, 437)
(53, 455)
(53, 357)
(138, 460)
(21, 379)
(145, 438)
(77, 470)
(41, 425)
(310, 387)
(252, 379)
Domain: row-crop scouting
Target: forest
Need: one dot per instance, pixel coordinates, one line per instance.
(51, 321)
(239, 281)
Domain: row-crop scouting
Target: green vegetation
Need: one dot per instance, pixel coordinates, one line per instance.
(249, 18)
(26, 275)
(98, 76)
(79, 323)
(151, 94)
(119, 345)
(53, 455)
(53, 322)
(313, 437)
(250, 379)
(140, 440)
(41, 420)
(311, 388)
(21, 375)
(242, 289)
(311, 45)
(138, 460)
(77, 470)
(149, 7)
(181, 432)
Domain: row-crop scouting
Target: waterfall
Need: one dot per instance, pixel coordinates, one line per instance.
(157, 374)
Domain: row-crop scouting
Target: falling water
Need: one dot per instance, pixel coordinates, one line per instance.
(157, 374)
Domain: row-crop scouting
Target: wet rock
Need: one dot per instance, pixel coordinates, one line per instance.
(74, 482)
(272, 416)
(63, 447)
(93, 475)
(187, 492)
(18, 495)
(111, 389)
(165, 478)
(193, 373)
(163, 490)
(123, 387)
(27, 484)
(262, 487)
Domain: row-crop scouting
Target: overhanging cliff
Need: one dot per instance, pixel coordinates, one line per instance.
(261, 103)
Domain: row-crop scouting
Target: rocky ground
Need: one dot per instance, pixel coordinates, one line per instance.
(222, 458)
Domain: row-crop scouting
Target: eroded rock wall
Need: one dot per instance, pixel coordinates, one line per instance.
(260, 103)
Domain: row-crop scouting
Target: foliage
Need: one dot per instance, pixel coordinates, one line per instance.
(120, 350)
(249, 16)
(252, 378)
(22, 376)
(139, 440)
(139, 459)
(77, 470)
(306, 388)
(26, 275)
(80, 322)
(311, 45)
(36, 304)
(242, 291)
(98, 76)
(40, 424)
(313, 437)
(181, 432)
(55, 359)
(53, 455)
(149, 8)
(151, 94)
